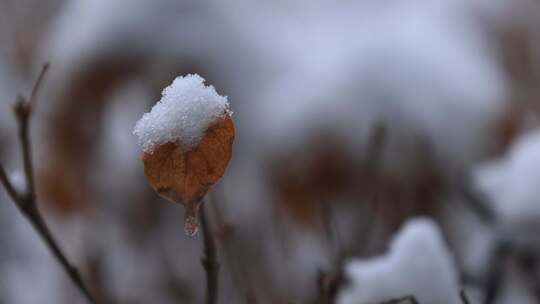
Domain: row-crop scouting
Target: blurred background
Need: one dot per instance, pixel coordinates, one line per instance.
(351, 117)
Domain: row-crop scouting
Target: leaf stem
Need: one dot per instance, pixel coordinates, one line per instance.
(209, 259)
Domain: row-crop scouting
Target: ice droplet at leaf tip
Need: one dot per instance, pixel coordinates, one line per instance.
(191, 225)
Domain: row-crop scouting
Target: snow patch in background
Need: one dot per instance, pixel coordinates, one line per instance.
(418, 264)
(512, 184)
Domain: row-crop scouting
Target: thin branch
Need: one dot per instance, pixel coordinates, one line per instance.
(4, 179)
(495, 277)
(41, 227)
(528, 259)
(225, 237)
(477, 201)
(464, 298)
(22, 110)
(328, 285)
(37, 85)
(26, 201)
(404, 300)
(209, 260)
(372, 164)
(322, 287)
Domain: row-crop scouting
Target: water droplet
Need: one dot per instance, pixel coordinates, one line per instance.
(191, 225)
(191, 222)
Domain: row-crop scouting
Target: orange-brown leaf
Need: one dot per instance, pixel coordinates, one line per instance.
(185, 176)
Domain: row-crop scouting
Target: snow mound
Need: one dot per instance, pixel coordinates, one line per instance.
(418, 265)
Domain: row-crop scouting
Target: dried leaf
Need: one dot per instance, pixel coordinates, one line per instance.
(186, 176)
(305, 180)
(64, 194)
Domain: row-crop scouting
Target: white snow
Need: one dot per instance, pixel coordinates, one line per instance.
(18, 180)
(418, 264)
(424, 69)
(512, 184)
(186, 109)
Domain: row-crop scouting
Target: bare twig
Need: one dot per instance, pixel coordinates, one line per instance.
(226, 240)
(327, 285)
(372, 165)
(22, 110)
(528, 260)
(477, 202)
(322, 287)
(495, 278)
(37, 85)
(7, 184)
(209, 260)
(464, 298)
(26, 201)
(404, 300)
